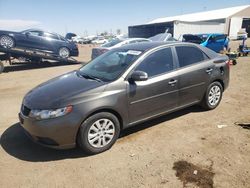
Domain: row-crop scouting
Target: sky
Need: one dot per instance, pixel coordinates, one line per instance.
(90, 17)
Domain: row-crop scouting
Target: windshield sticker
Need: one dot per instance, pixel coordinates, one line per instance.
(133, 52)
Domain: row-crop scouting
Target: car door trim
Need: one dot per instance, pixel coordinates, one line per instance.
(152, 97)
(195, 85)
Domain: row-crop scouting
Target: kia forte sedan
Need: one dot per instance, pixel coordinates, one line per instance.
(39, 40)
(123, 87)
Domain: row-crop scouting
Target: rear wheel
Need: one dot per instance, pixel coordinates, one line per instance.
(98, 133)
(64, 52)
(7, 41)
(213, 96)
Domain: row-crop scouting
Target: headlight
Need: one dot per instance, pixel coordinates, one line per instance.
(47, 114)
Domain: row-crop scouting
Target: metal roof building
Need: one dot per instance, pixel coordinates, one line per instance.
(228, 21)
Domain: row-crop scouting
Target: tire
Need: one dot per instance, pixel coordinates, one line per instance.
(1, 67)
(64, 52)
(93, 138)
(212, 96)
(7, 41)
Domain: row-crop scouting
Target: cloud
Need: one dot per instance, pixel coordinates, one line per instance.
(18, 24)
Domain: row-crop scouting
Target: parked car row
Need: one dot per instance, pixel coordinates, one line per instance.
(64, 47)
(128, 81)
(115, 43)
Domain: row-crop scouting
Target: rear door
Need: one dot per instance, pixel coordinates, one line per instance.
(194, 73)
(51, 41)
(157, 94)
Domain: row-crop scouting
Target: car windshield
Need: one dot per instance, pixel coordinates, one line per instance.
(109, 66)
(111, 43)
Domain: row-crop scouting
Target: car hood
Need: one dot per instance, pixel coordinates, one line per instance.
(59, 91)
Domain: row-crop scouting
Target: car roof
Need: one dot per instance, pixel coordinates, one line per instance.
(144, 46)
(44, 31)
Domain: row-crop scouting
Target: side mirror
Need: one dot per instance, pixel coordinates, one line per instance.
(139, 76)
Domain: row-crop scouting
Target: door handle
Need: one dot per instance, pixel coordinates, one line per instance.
(209, 70)
(172, 82)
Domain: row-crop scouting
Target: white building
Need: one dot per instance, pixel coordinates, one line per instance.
(228, 21)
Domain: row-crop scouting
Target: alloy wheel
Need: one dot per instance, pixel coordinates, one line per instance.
(6, 42)
(214, 95)
(64, 52)
(101, 132)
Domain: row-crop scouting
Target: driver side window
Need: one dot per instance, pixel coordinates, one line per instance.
(157, 63)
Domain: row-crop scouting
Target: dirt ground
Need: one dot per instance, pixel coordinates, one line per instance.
(189, 148)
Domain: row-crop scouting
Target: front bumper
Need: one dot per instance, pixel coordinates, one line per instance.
(57, 133)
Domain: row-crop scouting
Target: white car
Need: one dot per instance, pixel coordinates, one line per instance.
(115, 43)
(100, 40)
(77, 39)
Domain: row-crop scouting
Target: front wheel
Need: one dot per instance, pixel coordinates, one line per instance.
(64, 52)
(7, 41)
(98, 133)
(213, 96)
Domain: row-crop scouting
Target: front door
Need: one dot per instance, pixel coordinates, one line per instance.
(32, 40)
(157, 94)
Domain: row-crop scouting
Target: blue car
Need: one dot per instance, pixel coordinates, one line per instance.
(39, 40)
(216, 42)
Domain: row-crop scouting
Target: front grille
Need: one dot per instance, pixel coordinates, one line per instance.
(25, 110)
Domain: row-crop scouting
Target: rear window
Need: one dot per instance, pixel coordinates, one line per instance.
(52, 36)
(188, 55)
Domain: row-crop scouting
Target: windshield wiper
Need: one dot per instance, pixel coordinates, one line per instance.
(90, 77)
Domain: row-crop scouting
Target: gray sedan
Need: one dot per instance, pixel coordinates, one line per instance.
(123, 87)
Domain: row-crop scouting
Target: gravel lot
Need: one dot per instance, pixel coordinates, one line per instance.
(189, 148)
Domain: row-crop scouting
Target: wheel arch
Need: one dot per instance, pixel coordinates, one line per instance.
(112, 111)
(215, 80)
(59, 47)
(220, 81)
(63, 46)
